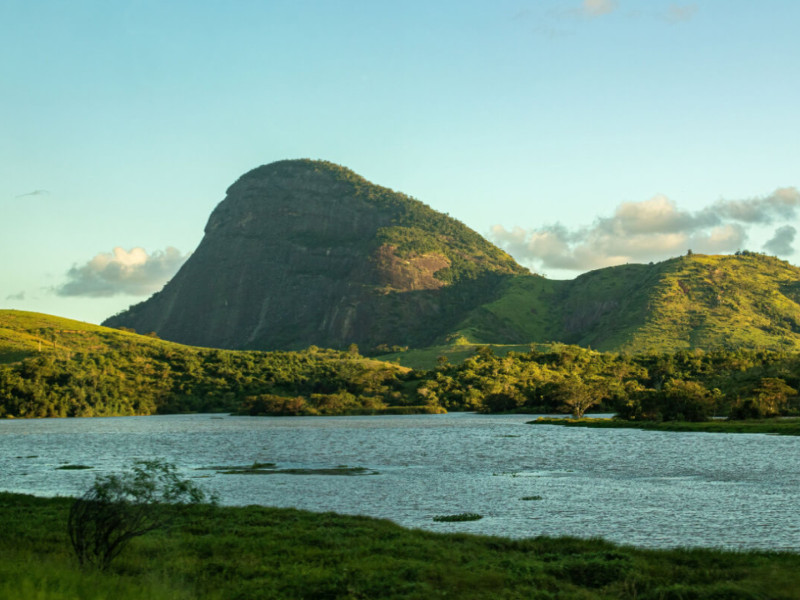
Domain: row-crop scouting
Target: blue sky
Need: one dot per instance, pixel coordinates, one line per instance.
(577, 134)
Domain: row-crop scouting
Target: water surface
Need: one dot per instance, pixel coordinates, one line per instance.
(647, 488)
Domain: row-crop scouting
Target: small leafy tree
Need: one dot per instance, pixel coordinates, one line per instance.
(118, 508)
(577, 396)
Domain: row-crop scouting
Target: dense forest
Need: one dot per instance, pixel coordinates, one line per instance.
(107, 372)
(690, 385)
(149, 380)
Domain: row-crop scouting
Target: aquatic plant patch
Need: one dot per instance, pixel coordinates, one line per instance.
(272, 469)
(457, 518)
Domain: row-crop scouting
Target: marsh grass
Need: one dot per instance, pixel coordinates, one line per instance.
(272, 469)
(267, 553)
(457, 518)
(776, 426)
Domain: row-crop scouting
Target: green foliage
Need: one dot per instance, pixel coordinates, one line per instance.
(681, 386)
(105, 372)
(217, 553)
(118, 508)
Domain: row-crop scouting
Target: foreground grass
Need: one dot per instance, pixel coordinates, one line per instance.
(772, 426)
(257, 552)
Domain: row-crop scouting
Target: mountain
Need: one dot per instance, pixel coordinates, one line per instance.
(304, 252)
(695, 301)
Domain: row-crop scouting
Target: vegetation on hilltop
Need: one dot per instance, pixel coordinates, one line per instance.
(416, 229)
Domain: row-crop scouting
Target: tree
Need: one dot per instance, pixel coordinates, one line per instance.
(687, 401)
(768, 400)
(577, 396)
(118, 508)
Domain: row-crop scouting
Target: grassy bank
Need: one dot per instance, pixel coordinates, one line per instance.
(256, 552)
(772, 426)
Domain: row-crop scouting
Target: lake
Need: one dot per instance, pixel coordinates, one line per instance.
(646, 488)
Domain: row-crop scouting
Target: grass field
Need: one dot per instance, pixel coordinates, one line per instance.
(257, 552)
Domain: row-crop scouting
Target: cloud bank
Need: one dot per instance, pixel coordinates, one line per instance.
(133, 273)
(653, 229)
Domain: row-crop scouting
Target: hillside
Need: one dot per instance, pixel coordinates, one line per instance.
(747, 300)
(305, 252)
(57, 367)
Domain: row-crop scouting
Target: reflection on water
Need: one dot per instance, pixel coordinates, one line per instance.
(653, 489)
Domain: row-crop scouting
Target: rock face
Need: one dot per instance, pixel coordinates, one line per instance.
(306, 252)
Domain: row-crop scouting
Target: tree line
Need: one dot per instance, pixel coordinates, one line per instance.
(134, 379)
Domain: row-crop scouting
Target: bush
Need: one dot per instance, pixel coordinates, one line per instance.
(118, 508)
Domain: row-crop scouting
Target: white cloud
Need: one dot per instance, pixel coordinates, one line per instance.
(17, 296)
(653, 229)
(131, 272)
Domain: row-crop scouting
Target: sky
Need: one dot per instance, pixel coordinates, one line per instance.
(575, 134)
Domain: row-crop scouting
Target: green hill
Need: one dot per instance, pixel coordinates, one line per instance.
(55, 367)
(746, 300)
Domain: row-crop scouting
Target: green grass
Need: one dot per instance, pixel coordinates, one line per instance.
(256, 552)
(769, 426)
(24, 334)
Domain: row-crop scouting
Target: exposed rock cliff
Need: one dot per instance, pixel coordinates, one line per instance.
(306, 252)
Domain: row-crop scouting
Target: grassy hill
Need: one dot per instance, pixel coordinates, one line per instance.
(697, 301)
(24, 334)
(58, 367)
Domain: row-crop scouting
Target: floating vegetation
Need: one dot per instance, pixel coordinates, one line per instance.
(31, 456)
(254, 466)
(458, 518)
(73, 467)
(271, 469)
(531, 498)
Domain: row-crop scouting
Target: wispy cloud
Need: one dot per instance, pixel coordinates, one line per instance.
(653, 229)
(678, 13)
(34, 193)
(597, 8)
(17, 296)
(131, 272)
